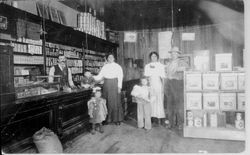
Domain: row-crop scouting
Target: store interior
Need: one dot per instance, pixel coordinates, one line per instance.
(40, 115)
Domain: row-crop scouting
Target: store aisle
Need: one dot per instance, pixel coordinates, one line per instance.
(128, 139)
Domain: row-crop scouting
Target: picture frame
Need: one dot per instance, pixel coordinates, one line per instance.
(211, 101)
(223, 62)
(193, 101)
(228, 101)
(228, 81)
(53, 15)
(188, 59)
(210, 81)
(241, 81)
(241, 103)
(42, 10)
(193, 81)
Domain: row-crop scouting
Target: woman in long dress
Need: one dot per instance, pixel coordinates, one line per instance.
(155, 71)
(112, 74)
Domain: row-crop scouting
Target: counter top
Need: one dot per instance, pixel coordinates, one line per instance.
(51, 95)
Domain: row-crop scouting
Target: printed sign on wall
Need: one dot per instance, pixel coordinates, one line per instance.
(130, 37)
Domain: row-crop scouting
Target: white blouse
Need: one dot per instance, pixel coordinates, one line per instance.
(154, 69)
(111, 71)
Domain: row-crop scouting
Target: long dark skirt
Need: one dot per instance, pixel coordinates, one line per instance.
(110, 93)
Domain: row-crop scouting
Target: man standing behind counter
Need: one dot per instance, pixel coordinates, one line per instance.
(61, 69)
(174, 89)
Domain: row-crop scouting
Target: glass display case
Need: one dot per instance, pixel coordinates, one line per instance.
(39, 86)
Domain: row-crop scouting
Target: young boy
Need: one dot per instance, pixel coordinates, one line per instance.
(141, 95)
(97, 110)
(88, 81)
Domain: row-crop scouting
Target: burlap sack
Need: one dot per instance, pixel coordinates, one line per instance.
(47, 141)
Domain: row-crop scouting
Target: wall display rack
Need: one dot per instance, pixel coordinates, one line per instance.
(215, 113)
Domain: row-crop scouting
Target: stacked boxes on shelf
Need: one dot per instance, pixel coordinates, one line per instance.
(210, 95)
(94, 61)
(89, 23)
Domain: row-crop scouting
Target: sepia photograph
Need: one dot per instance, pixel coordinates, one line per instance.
(125, 76)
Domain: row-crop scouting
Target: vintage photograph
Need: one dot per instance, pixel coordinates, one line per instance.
(124, 76)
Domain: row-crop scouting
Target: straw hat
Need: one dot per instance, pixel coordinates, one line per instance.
(175, 49)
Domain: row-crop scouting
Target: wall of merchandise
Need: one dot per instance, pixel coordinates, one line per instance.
(215, 100)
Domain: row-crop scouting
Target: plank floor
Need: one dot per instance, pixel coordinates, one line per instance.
(129, 139)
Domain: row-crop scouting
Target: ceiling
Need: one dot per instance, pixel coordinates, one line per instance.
(125, 15)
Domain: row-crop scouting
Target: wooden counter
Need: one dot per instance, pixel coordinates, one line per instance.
(64, 113)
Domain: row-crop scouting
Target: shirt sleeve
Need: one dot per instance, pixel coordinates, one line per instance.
(51, 73)
(162, 71)
(120, 76)
(70, 78)
(101, 74)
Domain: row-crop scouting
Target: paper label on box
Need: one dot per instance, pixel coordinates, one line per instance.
(241, 101)
(228, 81)
(193, 81)
(211, 101)
(228, 101)
(211, 81)
(193, 101)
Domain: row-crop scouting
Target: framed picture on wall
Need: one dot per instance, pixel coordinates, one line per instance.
(187, 59)
(223, 62)
(53, 15)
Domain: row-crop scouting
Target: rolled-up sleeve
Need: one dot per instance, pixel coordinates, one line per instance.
(51, 73)
(100, 76)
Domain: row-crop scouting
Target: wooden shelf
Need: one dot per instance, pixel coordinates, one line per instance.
(28, 54)
(228, 133)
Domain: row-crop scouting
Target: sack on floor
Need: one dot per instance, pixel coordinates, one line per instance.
(47, 141)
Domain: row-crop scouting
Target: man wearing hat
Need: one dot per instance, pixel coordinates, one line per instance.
(174, 101)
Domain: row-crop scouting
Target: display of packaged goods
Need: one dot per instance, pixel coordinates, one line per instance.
(193, 101)
(190, 123)
(223, 62)
(241, 81)
(228, 101)
(221, 116)
(197, 122)
(228, 81)
(210, 81)
(205, 119)
(20, 59)
(193, 81)
(213, 120)
(190, 115)
(241, 103)
(211, 101)
(239, 122)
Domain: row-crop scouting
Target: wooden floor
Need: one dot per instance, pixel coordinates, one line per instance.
(129, 139)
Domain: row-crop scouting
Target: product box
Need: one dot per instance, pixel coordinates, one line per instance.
(193, 81)
(241, 81)
(210, 81)
(211, 101)
(241, 101)
(193, 101)
(221, 119)
(228, 101)
(213, 120)
(223, 62)
(228, 81)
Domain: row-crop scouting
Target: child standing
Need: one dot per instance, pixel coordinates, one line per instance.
(97, 110)
(141, 95)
